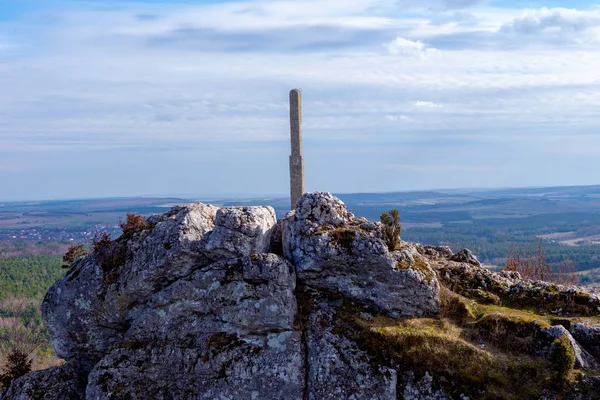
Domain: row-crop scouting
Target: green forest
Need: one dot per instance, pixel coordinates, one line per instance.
(28, 276)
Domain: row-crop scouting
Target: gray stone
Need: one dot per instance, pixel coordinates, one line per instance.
(241, 231)
(423, 389)
(92, 307)
(227, 329)
(336, 252)
(250, 295)
(56, 383)
(464, 278)
(337, 368)
(296, 159)
(438, 251)
(194, 307)
(583, 360)
(223, 367)
(465, 256)
(588, 335)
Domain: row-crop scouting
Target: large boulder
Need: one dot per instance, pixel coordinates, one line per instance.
(334, 251)
(228, 330)
(93, 306)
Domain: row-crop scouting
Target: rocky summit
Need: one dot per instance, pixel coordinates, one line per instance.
(229, 303)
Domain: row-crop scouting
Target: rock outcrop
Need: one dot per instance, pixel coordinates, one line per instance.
(336, 252)
(209, 303)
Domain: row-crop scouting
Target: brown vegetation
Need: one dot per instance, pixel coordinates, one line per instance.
(536, 268)
(100, 240)
(73, 254)
(134, 223)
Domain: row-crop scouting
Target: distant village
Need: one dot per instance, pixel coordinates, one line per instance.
(57, 234)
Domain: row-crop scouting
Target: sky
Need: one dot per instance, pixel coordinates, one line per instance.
(190, 98)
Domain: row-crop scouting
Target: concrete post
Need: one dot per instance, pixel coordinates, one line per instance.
(296, 160)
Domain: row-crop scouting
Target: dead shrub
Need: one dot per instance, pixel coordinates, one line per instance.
(100, 240)
(134, 223)
(72, 254)
(110, 254)
(536, 268)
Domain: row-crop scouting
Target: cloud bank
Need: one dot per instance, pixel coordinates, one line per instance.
(209, 83)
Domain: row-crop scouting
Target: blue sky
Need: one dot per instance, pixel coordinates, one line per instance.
(127, 98)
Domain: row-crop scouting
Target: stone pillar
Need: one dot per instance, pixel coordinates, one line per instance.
(296, 160)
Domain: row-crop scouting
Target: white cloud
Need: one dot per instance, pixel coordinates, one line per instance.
(412, 48)
(426, 104)
(215, 73)
(562, 22)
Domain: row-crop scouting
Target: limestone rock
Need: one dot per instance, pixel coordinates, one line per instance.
(197, 306)
(92, 307)
(241, 230)
(56, 383)
(224, 367)
(438, 251)
(423, 389)
(250, 295)
(467, 279)
(337, 368)
(588, 335)
(582, 358)
(228, 330)
(334, 251)
(465, 256)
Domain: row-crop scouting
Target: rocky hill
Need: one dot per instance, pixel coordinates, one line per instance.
(208, 303)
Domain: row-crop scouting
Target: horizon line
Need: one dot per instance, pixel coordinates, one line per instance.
(232, 196)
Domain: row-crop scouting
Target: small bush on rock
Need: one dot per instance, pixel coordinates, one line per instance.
(72, 254)
(563, 358)
(391, 229)
(110, 254)
(134, 223)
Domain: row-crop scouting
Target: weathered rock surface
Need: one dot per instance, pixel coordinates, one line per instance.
(438, 251)
(224, 367)
(583, 360)
(588, 336)
(337, 367)
(423, 389)
(465, 256)
(56, 383)
(334, 251)
(92, 307)
(209, 303)
(467, 279)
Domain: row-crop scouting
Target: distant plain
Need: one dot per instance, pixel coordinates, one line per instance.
(491, 222)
